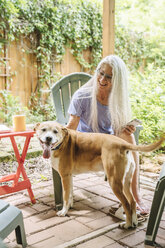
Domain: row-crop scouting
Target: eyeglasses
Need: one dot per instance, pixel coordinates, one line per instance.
(107, 77)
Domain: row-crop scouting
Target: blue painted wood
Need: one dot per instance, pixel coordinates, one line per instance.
(2, 245)
(156, 211)
(137, 133)
(11, 219)
(62, 92)
(3, 205)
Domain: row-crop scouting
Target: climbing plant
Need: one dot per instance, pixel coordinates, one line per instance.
(51, 26)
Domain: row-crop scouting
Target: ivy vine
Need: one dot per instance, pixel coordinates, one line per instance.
(51, 26)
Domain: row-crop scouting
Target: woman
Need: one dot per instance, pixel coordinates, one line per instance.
(102, 105)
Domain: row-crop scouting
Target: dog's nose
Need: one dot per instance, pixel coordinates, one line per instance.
(48, 139)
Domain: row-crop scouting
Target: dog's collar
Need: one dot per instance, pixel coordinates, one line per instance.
(57, 147)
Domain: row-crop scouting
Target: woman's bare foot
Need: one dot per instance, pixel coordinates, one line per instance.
(142, 208)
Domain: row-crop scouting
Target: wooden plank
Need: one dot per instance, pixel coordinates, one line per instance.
(16, 68)
(24, 64)
(24, 70)
(30, 72)
(108, 27)
(69, 64)
(2, 69)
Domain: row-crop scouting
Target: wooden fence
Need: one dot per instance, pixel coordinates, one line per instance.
(19, 72)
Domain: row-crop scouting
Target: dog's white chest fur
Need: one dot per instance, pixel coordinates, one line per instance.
(55, 163)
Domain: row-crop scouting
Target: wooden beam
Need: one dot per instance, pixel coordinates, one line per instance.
(108, 27)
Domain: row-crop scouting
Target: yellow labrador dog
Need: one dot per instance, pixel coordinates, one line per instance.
(73, 152)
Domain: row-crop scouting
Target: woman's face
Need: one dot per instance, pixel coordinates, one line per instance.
(104, 78)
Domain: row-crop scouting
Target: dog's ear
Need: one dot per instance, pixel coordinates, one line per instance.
(36, 126)
(64, 130)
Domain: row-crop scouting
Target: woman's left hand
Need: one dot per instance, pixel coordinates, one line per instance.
(129, 129)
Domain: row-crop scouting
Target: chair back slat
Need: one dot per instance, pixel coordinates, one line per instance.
(63, 90)
(66, 100)
(70, 93)
(58, 103)
(74, 86)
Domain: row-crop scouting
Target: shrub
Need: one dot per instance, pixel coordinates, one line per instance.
(148, 101)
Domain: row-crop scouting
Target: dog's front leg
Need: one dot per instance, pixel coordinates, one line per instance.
(66, 186)
(71, 193)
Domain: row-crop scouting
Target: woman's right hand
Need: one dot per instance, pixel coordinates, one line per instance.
(129, 129)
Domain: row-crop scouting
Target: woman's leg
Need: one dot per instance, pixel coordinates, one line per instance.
(135, 181)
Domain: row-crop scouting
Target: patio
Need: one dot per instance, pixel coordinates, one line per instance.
(88, 223)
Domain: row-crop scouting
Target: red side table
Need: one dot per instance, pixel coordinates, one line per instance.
(17, 185)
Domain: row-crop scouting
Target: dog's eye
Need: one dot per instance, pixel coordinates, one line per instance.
(55, 131)
(43, 129)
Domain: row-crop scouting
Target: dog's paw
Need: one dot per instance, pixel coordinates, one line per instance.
(62, 212)
(134, 220)
(127, 226)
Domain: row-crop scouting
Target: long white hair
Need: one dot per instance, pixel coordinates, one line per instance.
(118, 104)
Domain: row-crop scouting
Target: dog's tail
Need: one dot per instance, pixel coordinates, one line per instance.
(146, 148)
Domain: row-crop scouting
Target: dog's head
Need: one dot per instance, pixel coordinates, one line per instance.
(50, 135)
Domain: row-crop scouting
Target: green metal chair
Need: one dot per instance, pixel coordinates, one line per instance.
(62, 92)
(156, 211)
(11, 219)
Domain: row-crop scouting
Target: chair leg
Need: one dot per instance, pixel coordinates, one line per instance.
(155, 213)
(12, 219)
(57, 190)
(2, 245)
(20, 231)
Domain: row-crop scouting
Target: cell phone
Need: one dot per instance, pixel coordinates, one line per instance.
(134, 122)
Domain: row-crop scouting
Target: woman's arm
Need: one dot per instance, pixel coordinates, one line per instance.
(73, 122)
